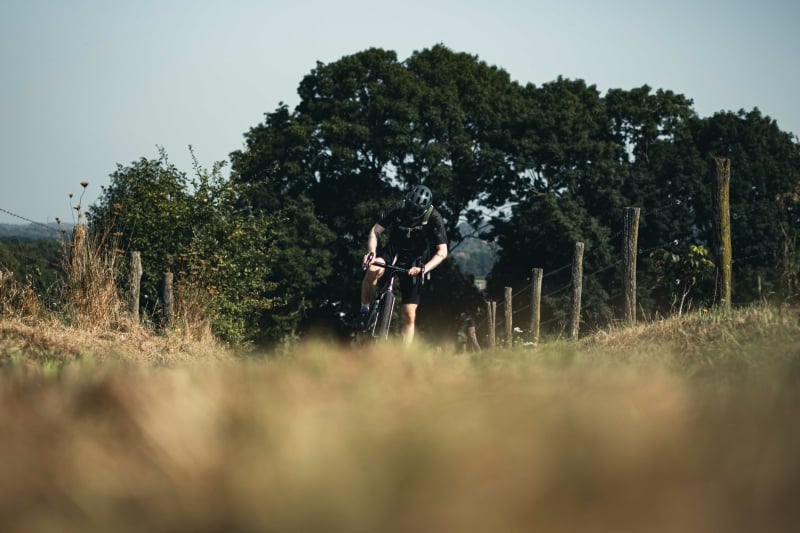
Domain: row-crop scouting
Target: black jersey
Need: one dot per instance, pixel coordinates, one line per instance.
(411, 240)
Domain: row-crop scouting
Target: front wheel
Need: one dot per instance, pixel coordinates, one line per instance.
(372, 320)
(385, 315)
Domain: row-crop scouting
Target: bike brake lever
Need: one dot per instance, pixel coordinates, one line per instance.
(367, 261)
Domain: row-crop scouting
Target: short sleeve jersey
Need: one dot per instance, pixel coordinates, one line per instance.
(412, 240)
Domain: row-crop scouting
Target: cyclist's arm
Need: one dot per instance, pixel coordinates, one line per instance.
(438, 238)
(372, 240)
(433, 262)
(438, 257)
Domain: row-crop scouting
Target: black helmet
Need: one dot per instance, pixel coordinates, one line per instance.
(418, 200)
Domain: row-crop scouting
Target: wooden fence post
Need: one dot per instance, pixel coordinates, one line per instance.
(472, 339)
(577, 289)
(536, 303)
(721, 204)
(629, 249)
(509, 317)
(168, 306)
(136, 284)
(491, 308)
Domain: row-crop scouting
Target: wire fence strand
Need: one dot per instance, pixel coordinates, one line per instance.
(15, 215)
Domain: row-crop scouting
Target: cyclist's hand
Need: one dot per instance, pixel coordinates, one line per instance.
(415, 271)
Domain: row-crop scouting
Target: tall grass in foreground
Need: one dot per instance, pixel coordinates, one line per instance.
(670, 433)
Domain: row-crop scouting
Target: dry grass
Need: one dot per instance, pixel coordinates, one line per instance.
(610, 434)
(91, 296)
(52, 344)
(91, 325)
(92, 319)
(192, 318)
(754, 343)
(693, 333)
(18, 299)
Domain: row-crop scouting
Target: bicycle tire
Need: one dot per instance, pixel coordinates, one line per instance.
(372, 319)
(385, 315)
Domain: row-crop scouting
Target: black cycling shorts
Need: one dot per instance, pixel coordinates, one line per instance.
(410, 287)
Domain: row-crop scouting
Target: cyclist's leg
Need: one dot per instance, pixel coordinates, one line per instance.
(410, 290)
(409, 313)
(370, 281)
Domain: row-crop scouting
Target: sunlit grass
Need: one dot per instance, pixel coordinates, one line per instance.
(685, 425)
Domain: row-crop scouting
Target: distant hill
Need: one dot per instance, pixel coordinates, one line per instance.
(32, 232)
(474, 255)
(36, 260)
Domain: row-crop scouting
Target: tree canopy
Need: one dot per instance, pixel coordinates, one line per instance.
(537, 167)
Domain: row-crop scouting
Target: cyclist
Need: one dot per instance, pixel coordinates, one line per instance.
(415, 228)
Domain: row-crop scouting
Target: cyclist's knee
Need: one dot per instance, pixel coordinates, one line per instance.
(373, 273)
(410, 313)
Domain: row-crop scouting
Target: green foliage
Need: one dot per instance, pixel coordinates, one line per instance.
(230, 255)
(196, 229)
(34, 260)
(546, 166)
(148, 205)
(367, 127)
(462, 137)
(682, 273)
(542, 167)
(541, 233)
(299, 267)
(765, 163)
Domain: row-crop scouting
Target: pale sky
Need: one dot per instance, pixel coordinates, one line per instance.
(87, 84)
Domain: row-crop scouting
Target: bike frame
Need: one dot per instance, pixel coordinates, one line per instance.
(382, 307)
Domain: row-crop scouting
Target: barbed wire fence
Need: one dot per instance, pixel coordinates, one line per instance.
(553, 292)
(490, 323)
(28, 220)
(552, 282)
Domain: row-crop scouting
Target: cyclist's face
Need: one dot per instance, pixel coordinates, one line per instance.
(413, 212)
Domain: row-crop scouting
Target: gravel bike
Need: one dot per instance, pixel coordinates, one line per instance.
(381, 310)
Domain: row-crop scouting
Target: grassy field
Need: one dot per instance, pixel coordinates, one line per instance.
(685, 425)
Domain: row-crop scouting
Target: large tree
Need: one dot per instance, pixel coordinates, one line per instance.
(462, 137)
(546, 165)
(366, 128)
(664, 176)
(570, 182)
